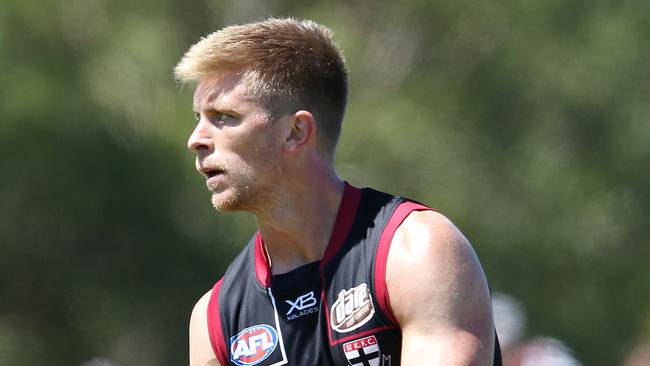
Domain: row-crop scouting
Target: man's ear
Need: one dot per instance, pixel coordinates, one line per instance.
(303, 130)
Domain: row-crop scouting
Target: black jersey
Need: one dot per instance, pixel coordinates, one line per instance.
(332, 312)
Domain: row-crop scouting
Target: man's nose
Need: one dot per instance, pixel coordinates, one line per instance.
(200, 139)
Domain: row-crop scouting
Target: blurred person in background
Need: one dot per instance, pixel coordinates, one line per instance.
(335, 274)
(510, 321)
(639, 355)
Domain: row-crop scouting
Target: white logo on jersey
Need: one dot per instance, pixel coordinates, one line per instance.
(352, 309)
(302, 302)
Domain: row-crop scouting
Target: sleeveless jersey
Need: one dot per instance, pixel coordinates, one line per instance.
(332, 312)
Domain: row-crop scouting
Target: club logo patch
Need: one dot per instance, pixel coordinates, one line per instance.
(363, 352)
(253, 345)
(352, 309)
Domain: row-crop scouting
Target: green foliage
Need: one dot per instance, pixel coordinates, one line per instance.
(525, 122)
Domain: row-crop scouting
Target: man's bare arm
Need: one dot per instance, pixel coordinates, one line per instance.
(201, 353)
(439, 294)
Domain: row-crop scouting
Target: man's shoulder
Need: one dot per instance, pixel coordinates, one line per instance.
(429, 227)
(428, 238)
(439, 258)
(200, 308)
(439, 293)
(201, 352)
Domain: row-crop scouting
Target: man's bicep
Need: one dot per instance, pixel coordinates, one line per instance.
(201, 353)
(439, 294)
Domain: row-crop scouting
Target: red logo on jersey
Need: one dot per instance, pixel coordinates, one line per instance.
(253, 345)
(364, 351)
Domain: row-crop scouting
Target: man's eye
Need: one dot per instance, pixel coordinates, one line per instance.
(213, 116)
(222, 116)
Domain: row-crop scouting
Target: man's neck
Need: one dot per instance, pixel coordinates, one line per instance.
(298, 229)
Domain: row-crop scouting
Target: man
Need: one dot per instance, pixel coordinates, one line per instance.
(336, 275)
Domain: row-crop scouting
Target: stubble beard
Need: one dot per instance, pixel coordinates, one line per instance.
(239, 192)
(232, 200)
(246, 190)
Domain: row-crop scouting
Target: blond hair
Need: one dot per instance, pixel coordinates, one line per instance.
(289, 64)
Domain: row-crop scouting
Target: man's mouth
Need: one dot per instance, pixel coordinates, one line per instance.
(213, 173)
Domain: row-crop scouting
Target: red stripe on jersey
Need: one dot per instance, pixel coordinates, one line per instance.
(344, 220)
(262, 267)
(214, 325)
(381, 291)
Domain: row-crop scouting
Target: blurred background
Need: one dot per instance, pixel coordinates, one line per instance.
(525, 122)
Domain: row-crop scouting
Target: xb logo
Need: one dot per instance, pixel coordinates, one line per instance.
(302, 302)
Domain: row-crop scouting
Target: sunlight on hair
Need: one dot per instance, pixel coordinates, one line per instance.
(288, 63)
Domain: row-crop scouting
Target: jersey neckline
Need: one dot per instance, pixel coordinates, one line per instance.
(344, 220)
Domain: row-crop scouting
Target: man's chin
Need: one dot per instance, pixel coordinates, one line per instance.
(222, 203)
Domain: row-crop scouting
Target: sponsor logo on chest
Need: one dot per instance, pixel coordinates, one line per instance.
(304, 305)
(253, 345)
(352, 309)
(364, 352)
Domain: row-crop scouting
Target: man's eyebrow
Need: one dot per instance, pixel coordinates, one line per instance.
(226, 108)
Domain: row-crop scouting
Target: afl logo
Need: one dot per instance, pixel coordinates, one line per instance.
(253, 345)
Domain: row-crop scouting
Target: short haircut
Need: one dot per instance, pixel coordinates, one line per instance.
(289, 64)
